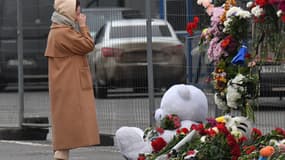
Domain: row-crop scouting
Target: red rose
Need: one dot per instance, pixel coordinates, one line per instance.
(211, 132)
(242, 139)
(235, 151)
(231, 140)
(249, 149)
(255, 133)
(247, 56)
(261, 3)
(158, 144)
(222, 128)
(191, 152)
(192, 25)
(196, 19)
(176, 121)
(182, 131)
(283, 18)
(199, 128)
(141, 157)
(280, 131)
(225, 43)
(160, 130)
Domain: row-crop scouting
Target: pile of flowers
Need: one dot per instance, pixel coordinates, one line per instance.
(238, 39)
(218, 140)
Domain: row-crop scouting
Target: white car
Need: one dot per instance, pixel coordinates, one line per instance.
(120, 56)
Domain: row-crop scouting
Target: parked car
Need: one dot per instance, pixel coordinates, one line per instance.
(97, 17)
(36, 23)
(120, 57)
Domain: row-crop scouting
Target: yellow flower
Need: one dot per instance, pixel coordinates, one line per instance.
(221, 119)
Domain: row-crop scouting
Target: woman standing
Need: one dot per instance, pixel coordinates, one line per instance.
(73, 111)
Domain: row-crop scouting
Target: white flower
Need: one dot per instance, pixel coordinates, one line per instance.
(189, 157)
(249, 4)
(238, 79)
(237, 134)
(199, 2)
(233, 11)
(257, 11)
(227, 22)
(220, 103)
(203, 139)
(215, 129)
(204, 2)
(244, 14)
(273, 142)
(279, 13)
(239, 12)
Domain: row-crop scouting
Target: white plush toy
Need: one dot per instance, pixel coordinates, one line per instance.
(186, 101)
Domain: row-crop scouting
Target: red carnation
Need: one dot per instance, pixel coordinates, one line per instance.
(158, 144)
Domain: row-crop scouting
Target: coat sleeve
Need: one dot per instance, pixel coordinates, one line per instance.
(77, 43)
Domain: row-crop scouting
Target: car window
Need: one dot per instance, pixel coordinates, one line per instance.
(100, 35)
(129, 14)
(139, 31)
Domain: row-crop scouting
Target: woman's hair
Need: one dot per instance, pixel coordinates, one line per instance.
(77, 3)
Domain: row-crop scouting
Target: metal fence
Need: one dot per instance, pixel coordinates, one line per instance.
(117, 104)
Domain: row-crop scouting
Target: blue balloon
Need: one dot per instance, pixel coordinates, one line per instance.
(240, 57)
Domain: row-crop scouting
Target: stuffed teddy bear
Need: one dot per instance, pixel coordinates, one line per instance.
(181, 106)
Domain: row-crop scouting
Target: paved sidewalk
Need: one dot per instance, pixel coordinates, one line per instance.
(42, 150)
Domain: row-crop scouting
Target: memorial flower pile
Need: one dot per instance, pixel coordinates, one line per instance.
(234, 77)
(217, 140)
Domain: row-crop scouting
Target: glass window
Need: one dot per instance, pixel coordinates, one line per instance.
(139, 31)
(100, 35)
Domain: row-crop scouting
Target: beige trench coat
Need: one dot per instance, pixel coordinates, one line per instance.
(73, 109)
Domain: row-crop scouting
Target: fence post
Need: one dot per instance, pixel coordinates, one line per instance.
(20, 61)
(189, 41)
(149, 61)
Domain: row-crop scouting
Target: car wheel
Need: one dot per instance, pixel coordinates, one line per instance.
(100, 91)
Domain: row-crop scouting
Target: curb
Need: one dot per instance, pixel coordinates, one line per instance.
(23, 133)
(106, 140)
